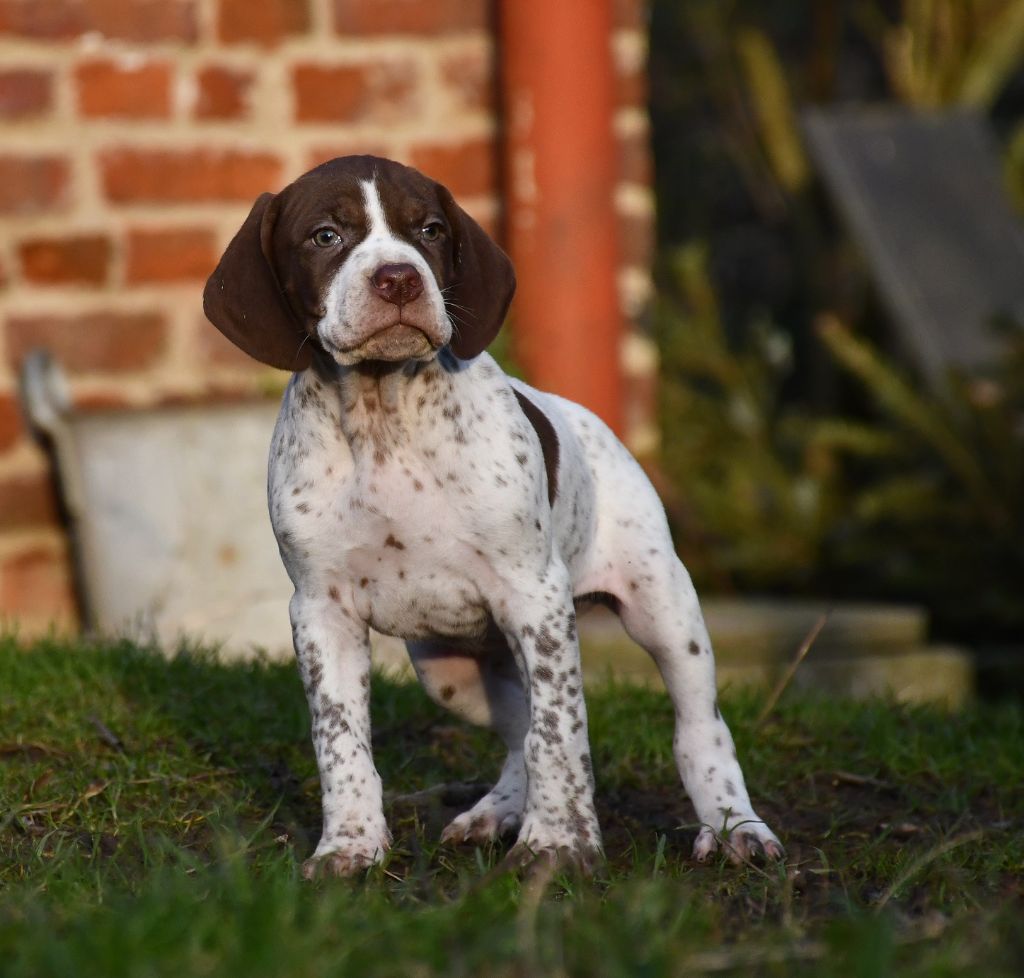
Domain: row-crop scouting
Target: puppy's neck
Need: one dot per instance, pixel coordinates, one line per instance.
(385, 403)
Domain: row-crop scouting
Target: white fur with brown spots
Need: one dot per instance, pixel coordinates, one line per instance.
(409, 492)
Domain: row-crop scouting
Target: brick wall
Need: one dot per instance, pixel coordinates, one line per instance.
(134, 135)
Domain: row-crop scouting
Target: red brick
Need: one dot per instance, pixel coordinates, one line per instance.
(12, 422)
(635, 159)
(102, 400)
(107, 89)
(321, 154)
(25, 92)
(27, 501)
(126, 20)
(32, 184)
(351, 93)
(640, 396)
(636, 240)
(471, 79)
(223, 93)
(409, 16)
(466, 169)
(95, 342)
(265, 21)
(632, 14)
(178, 176)
(79, 259)
(170, 255)
(37, 584)
(324, 94)
(631, 87)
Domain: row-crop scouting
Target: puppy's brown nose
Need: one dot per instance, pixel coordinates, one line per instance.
(397, 283)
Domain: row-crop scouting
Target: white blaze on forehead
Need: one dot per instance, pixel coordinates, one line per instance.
(376, 222)
(352, 311)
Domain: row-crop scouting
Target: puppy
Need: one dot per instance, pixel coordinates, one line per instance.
(416, 489)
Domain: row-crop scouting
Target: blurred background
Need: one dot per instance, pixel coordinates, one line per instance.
(821, 434)
(746, 234)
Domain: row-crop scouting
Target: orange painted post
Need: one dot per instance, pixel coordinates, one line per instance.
(560, 165)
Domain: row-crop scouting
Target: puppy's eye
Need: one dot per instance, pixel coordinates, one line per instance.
(325, 237)
(431, 231)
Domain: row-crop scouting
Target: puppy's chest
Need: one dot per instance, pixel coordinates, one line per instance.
(396, 535)
(415, 596)
(416, 513)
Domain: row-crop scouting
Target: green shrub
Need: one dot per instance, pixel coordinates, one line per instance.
(918, 497)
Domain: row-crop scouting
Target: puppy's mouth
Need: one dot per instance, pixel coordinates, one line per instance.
(399, 341)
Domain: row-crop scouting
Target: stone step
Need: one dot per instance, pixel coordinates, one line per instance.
(863, 650)
(760, 630)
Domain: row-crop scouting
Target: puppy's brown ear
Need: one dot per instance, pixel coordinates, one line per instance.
(482, 286)
(243, 300)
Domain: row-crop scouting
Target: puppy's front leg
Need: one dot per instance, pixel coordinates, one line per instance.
(559, 820)
(333, 650)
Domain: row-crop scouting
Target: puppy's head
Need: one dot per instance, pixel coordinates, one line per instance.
(363, 258)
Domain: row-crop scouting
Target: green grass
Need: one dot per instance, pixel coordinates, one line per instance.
(153, 815)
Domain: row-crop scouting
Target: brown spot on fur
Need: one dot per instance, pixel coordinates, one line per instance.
(547, 644)
(694, 648)
(333, 593)
(548, 441)
(447, 692)
(392, 542)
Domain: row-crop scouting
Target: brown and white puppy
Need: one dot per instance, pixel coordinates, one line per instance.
(416, 489)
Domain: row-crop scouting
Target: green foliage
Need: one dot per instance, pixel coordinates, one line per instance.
(758, 483)
(943, 518)
(949, 52)
(923, 499)
(906, 495)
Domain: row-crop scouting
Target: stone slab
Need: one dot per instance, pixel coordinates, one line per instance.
(923, 195)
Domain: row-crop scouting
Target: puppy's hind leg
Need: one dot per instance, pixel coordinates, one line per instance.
(660, 611)
(484, 688)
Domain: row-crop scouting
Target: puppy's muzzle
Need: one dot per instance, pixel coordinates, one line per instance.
(407, 332)
(394, 343)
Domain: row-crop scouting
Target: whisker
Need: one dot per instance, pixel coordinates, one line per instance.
(305, 340)
(454, 326)
(453, 317)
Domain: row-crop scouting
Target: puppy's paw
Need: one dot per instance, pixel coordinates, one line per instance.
(548, 861)
(347, 857)
(541, 848)
(743, 840)
(492, 817)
